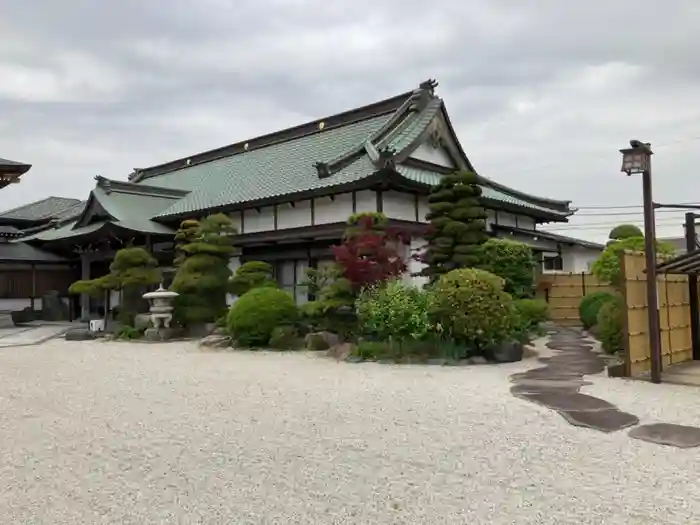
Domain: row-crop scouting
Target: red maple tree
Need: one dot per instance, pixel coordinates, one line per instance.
(370, 252)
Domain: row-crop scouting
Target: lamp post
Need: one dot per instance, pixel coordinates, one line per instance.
(635, 160)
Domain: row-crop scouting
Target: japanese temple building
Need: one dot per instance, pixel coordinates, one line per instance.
(290, 192)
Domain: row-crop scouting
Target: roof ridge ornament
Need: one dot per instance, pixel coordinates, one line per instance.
(386, 159)
(429, 86)
(323, 170)
(104, 183)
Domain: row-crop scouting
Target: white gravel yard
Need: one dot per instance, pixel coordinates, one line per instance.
(123, 433)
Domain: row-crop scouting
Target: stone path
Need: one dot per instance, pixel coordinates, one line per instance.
(557, 384)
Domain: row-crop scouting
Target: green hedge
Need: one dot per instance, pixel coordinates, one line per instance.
(590, 305)
(610, 325)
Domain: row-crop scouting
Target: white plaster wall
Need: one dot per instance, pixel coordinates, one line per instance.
(366, 201)
(296, 216)
(418, 245)
(577, 258)
(526, 223)
(236, 220)
(438, 156)
(490, 219)
(261, 221)
(423, 208)
(506, 219)
(399, 205)
(233, 263)
(328, 211)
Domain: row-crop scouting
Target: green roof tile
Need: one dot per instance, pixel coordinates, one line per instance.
(275, 170)
(431, 178)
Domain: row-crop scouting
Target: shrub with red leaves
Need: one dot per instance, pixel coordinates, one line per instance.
(370, 252)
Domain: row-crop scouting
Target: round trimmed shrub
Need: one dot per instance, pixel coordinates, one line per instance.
(255, 315)
(470, 307)
(590, 305)
(610, 325)
(513, 261)
(625, 231)
(531, 312)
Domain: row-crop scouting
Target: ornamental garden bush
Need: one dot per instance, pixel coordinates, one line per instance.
(531, 312)
(590, 305)
(394, 311)
(394, 314)
(609, 326)
(253, 318)
(470, 307)
(513, 261)
(252, 274)
(607, 266)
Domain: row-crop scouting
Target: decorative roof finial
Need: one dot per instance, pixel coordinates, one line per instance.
(429, 86)
(323, 170)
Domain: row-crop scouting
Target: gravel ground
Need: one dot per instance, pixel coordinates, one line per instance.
(124, 433)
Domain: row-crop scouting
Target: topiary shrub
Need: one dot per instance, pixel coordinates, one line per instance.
(531, 312)
(624, 231)
(457, 224)
(609, 327)
(590, 305)
(394, 311)
(607, 266)
(204, 249)
(513, 261)
(252, 274)
(470, 307)
(254, 316)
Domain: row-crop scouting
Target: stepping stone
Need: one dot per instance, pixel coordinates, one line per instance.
(603, 420)
(553, 383)
(570, 402)
(680, 436)
(542, 388)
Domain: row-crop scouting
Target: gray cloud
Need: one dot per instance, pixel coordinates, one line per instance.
(542, 93)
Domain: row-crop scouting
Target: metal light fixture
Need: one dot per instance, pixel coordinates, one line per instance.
(637, 158)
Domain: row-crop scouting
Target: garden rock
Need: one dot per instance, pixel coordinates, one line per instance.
(329, 339)
(80, 334)
(437, 362)
(507, 352)
(477, 360)
(342, 351)
(142, 321)
(353, 359)
(215, 341)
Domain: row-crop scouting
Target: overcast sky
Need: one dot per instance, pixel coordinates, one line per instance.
(542, 92)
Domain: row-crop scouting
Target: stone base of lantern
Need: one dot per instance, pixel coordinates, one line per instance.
(163, 334)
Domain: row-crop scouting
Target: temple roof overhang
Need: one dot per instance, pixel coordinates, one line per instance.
(11, 171)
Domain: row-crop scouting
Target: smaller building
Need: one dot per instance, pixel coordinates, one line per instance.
(27, 272)
(11, 171)
(555, 253)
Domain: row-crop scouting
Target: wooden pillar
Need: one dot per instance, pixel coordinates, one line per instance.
(84, 298)
(33, 286)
